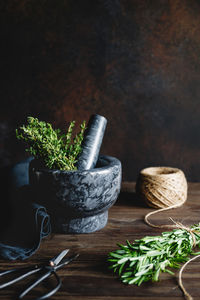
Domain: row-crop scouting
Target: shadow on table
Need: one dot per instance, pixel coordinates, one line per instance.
(130, 199)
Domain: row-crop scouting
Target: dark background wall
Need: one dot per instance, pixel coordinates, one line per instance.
(137, 62)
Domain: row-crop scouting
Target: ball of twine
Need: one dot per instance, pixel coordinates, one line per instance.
(162, 186)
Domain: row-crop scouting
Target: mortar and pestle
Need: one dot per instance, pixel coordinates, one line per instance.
(78, 201)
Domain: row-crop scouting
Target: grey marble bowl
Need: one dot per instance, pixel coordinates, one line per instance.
(78, 201)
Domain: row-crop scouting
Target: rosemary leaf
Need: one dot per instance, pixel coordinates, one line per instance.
(145, 259)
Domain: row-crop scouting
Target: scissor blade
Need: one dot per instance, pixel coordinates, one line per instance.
(59, 257)
(66, 262)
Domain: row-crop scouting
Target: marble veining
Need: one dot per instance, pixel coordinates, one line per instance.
(78, 201)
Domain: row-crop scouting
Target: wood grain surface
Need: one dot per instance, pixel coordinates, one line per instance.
(88, 278)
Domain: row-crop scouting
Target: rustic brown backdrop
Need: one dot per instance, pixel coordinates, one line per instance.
(137, 62)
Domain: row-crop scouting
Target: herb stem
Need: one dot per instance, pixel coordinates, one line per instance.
(145, 259)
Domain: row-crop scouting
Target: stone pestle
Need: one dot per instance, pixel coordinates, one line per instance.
(92, 142)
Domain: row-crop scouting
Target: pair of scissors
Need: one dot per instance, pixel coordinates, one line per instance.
(47, 270)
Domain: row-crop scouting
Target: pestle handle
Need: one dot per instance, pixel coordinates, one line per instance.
(92, 142)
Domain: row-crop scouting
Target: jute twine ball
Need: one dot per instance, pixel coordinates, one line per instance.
(162, 186)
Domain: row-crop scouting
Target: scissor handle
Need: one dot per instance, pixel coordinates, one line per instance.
(50, 270)
(53, 291)
(30, 271)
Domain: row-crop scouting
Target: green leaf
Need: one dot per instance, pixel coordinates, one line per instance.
(123, 260)
(145, 259)
(56, 150)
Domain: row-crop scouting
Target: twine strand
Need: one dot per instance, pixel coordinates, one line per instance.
(188, 229)
(186, 294)
(146, 218)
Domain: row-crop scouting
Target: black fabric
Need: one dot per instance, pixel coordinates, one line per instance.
(24, 223)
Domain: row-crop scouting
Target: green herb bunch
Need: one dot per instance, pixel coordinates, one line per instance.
(144, 259)
(56, 150)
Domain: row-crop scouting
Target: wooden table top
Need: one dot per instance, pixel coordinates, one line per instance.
(88, 277)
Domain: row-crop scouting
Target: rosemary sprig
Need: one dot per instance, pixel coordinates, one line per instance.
(56, 150)
(144, 259)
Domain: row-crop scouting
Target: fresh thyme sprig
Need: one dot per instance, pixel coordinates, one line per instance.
(56, 150)
(144, 259)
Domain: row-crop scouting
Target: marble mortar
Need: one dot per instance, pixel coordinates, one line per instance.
(78, 201)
